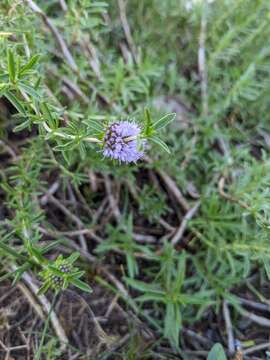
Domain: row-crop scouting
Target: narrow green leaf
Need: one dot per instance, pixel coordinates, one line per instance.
(82, 150)
(164, 121)
(196, 299)
(77, 274)
(266, 263)
(144, 287)
(161, 143)
(69, 145)
(4, 77)
(21, 126)
(17, 278)
(36, 253)
(148, 121)
(15, 102)
(8, 250)
(151, 297)
(131, 265)
(38, 82)
(29, 65)
(73, 257)
(18, 65)
(29, 90)
(173, 323)
(217, 353)
(44, 288)
(81, 285)
(181, 271)
(95, 125)
(3, 89)
(49, 247)
(46, 112)
(55, 270)
(11, 65)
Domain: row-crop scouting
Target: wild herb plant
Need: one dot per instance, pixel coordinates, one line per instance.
(137, 134)
(122, 141)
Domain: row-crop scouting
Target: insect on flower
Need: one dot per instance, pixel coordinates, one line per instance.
(121, 142)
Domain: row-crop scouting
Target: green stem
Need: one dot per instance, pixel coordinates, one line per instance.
(68, 136)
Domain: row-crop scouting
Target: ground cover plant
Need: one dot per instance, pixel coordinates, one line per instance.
(135, 173)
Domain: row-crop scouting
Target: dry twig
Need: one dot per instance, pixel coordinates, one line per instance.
(52, 189)
(256, 348)
(229, 197)
(126, 28)
(229, 328)
(171, 186)
(201, 339)
(74, 88)
(260, 320)
(189, 215)
(255, 305)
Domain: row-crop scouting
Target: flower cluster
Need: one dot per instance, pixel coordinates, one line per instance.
(61, 273)
(121, 142)
(55, 276)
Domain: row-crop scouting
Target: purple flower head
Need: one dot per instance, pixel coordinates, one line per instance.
(121, 142)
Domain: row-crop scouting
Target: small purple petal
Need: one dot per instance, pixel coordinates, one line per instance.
(117, 144)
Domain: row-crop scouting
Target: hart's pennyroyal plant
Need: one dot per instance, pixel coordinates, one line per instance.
(124, 140)
(121, 142)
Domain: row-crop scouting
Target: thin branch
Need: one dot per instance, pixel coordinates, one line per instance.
(71, 233)
(255, 305)
(63, 5)
(256, 348)
(201, 339)
(52, 189)
(93, 59)
(189, 215)
(171, 186)
(229, 328)
(112, 201)
(260, 320)
(126, 28)
(66, 211)
(74, 88)
(231, 198)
